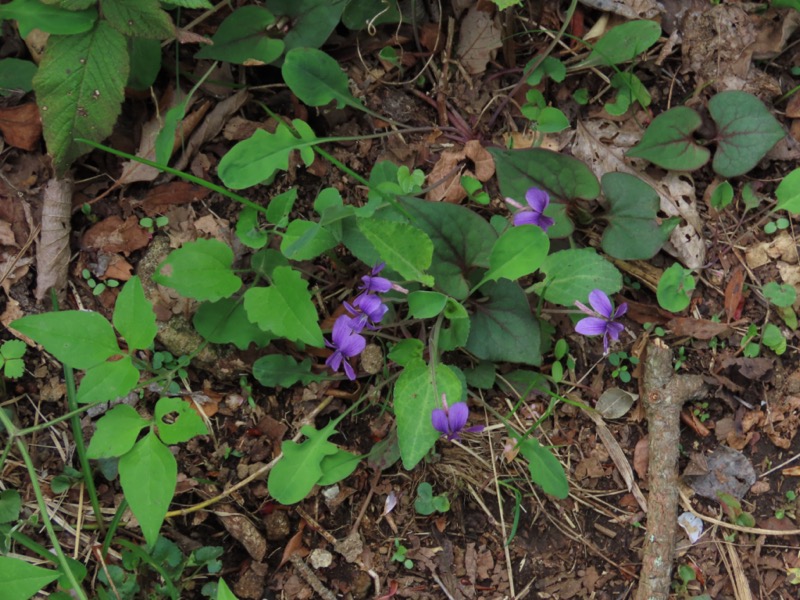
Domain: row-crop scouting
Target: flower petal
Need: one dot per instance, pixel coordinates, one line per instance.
(352, 345)
(526, 217)
(457, 416)
(334, 361)
(348, 370)
(601, 303)
(537, 199)
(439, 420)
(591, 326)
(614, 329)
(546, 222)
(621, 310)
(342, 327)
(474, 429)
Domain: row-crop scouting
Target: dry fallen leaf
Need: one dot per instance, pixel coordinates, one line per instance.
(52, 253)
(115, 235)
(161, 197)
(479, 39)
(733, 294)
(21, 125)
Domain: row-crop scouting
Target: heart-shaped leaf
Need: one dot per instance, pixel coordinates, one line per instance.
(675, 288)
(225, 322)
(668, 141)
(746, 131)
(116, 432)
(572, 274)
(200, 270)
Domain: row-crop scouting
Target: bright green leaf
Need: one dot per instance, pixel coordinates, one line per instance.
(722, 195)
(788, 193)
(518, 252)
(317, 79)
(544, 468)
(280, 206)
(200, 270)
(623, 43)
(80, 339)
(184, 422)
(138, 18)
(675, 287)
(282, 370)
(338, 467)
(116, 432)
(551, 120)
(108, 381)
(79, 89)
(406, 351)
(148, 475)
(243, 38)
(285, 308)
(405, 248)
(425, 305)
(572, 274)
(265, 261)
(224, 592)
(248, 230)
(306, 240)
(225, 322)
(549, 66)
(20, 580)
(782, 295)
(134, 317)
(32, 14)
(773, 339)
(456, 333)
(668, 141)
(746, 131)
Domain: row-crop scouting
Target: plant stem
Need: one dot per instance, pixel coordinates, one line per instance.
(112, 527)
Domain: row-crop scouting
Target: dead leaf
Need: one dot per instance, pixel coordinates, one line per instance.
(114, 235)
(242, 530)
(641, 457)
(479, 38)
(52, 254)
(727, 470)
(630, 9)
(118, 268)
(294, 545)
(750, 368)
(700, 329)
(161, 197)
(733, 295)
(447, 169)
(21, 125)
(480, 157)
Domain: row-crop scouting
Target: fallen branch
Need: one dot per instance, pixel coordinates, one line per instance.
(664, 395)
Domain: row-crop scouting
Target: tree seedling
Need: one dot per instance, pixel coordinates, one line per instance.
(427, 504)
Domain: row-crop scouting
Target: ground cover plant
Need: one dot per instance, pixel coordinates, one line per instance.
(373, 322)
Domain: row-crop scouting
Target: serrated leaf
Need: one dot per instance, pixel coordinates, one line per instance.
(544, 468)
(668, 141)
(317, 79)
(503, 327)
(564, 177)
(623, 43)
(285, 308)
(403, 247)
(76, 338)
(260, 156)
(417, 392)
(518, 252)
(134, 317)
(116, 432)
(108, 381)
(200, 270)
(292, 478)
(746, 131)
(788, 193)
(32, 14)
(615, 403)
(184, 423)
(306, 240)
(243, 38)
(148, 475)
(21, 580)
(225, 322)
(138, 18)
(571, 274)
(462, 242)
(282, 370)
(79, 89)
(633, 233)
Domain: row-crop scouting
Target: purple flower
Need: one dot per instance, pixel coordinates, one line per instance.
(533, 214)
(372, 283)
(346, 344)
(450, 420)
(601, 320)
(372, 306)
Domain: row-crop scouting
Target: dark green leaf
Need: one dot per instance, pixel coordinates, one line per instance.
(544, 468)
(200, 270)
(317, 79)
(623, 43)
(32, 14)
(282, 370)
(312, 20)
(243, 38)
(668, 141)
(225, 322)
(138, 18)
(16, 76)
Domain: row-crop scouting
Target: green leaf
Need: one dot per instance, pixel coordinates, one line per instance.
(551, 120)
(10, 505)
(225, 322)
(782, 295)
(722, 195)
(417, 392)
(248, 231)
(200, 270)
(631, 90)
(282, 370)
(503, 328)
(265, 261)
(462, 242)
(623, 43)
(675, 287)
(285, 309)
(406, 351)
(571, 274)
(405, 248)
(423, 503)
(224, 592)
(188, 3)
(549, 66)
(21, 580)
(16, 76)
(773, 339)
(425, 305)
(32, 14)
(145, 62)
(148, 475)
(184, 422)
(668, 141)
(71, 4)
(337, 467)
(11, 353)
(359, 15)
(633, 233)
(138, 18)
(165, 141)
(108, 381)
(79, 89)
(280, 206)
(564, 177)
(80, 339)
(518, 252)
(292, 478)
(116, 432)
(313, 21)
(306, 240)
(317, 79)
(788, 193)
(746, 131)
(260, 156)
(242, 38)
(134, 317)
(544, 468)
(456, 334)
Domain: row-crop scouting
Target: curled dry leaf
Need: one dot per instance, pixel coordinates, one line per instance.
(450, 190)
(115, 235)
(52, 254)
(630, 9)
(701, 329)
(21, 125)
(161, 197)
(480, 37)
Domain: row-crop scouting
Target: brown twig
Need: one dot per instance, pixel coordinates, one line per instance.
(664, 395)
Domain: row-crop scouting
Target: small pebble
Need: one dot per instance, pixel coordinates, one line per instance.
(277, 525)
(320, 559)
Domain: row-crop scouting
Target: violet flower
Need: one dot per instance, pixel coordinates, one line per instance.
(450, 420)
(379, 285)
(601, 320)
(372, 306)
(346, 344)
(533, 214)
